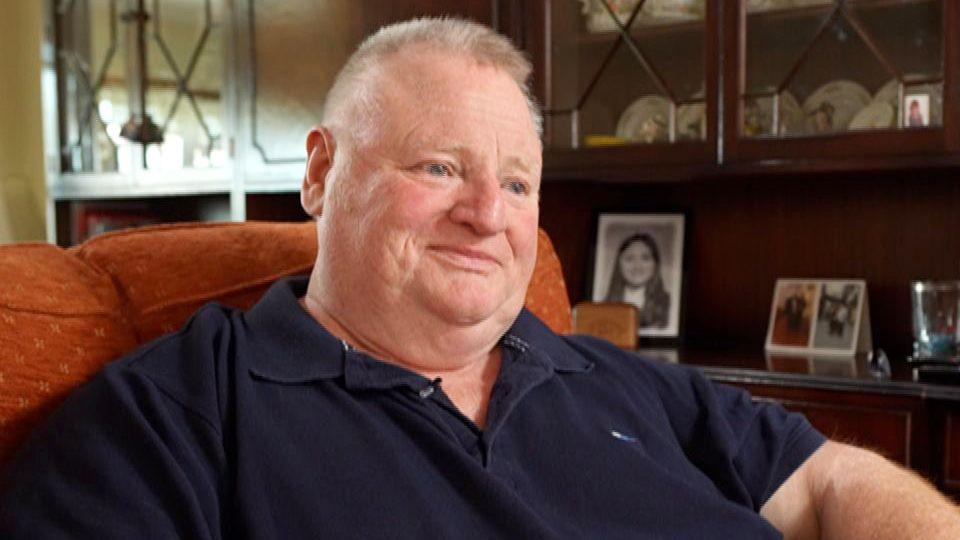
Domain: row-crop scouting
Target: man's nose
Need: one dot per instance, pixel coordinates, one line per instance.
(480, 206)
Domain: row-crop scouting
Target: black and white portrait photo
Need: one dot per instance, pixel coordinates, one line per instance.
(639, 260)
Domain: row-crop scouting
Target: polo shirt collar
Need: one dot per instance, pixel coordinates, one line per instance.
(530, 332)
(287, 344)
(309, 352)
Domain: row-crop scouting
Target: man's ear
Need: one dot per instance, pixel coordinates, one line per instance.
(321, 148)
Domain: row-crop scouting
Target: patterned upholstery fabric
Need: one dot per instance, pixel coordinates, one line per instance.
(64, 313)
(60, 320)
(165, 273)
(547, 296)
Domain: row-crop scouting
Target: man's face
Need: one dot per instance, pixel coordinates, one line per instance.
(438, 207)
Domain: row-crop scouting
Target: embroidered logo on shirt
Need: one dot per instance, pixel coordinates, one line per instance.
(623, 437)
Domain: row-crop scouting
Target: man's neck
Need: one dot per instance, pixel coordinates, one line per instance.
(467, 360)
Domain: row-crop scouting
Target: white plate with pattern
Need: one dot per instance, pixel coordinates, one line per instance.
(646, 120)
(692, 122)
(831, 107)
(877, 115)
(758, 116)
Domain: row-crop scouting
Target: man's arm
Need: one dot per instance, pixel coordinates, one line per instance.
(843, 491)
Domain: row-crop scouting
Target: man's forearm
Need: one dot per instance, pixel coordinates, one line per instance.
(865, 496)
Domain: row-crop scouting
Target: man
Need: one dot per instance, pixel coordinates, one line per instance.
(403, 391)
(794, 307)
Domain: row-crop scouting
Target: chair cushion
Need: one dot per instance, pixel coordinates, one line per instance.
(60, 321)
(165, 273)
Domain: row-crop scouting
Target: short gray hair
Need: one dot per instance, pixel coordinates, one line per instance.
(450, 35)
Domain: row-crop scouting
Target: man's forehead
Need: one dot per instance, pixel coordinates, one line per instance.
(420, 74)
(425, 95)
(434, 119)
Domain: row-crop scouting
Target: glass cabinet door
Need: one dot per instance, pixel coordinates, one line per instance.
(814, 68)
(103, 60)
(625, 72)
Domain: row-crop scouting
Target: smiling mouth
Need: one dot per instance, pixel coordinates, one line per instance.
(467, 258)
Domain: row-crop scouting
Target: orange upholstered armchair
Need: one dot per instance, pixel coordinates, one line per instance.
(65, 313)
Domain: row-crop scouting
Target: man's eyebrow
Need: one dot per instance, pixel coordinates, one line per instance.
(458, 149)
(519, 163)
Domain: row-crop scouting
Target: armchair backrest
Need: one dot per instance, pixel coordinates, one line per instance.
(65, 313)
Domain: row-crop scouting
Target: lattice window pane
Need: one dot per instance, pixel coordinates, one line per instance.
(839, 66)
(184, 74)
(617, 85)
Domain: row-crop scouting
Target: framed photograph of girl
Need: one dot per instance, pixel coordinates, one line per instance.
(638, 259)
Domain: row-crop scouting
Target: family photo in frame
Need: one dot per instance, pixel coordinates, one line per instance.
(638, 259)
(825, 317)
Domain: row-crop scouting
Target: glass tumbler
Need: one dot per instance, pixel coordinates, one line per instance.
(935, 308)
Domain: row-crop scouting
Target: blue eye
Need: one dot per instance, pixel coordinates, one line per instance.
(437, 169)
(517, 187)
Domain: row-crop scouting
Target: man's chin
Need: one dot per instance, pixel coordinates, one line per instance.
(465, 312)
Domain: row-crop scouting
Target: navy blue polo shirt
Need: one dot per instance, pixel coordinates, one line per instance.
(264, 425)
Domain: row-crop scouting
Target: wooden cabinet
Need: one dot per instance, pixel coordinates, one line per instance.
(951, 452)
(816, 84)
(887, 425)
(765, 198)
(913, 424)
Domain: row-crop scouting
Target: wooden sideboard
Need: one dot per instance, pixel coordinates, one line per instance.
(914, 424)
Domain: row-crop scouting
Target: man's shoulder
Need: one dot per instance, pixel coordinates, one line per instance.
(611, 358)
(205, 333)
(190, 366)
(602, 357)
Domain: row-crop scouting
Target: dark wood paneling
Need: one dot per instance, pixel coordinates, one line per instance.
(894, 426)
(880, 429)
(910, 429)
(951, 451)
(888, 228)
(275, 207)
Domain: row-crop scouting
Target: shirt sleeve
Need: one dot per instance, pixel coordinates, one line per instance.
(747, 448)
(123, 457)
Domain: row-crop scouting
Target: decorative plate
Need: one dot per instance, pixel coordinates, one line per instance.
(769, 5)
(832, 106)
(877, 115)
(806, 3)
(646, 120)
(888, 93)
(692, 122)
(598, 20)
(672, 10)
(758, 116)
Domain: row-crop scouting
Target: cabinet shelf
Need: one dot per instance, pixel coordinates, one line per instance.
(619, 167)
(100, 186)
